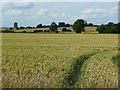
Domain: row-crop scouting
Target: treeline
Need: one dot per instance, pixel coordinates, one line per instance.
(78, 26)
(109, 28)
(21, 27)
(60, 24)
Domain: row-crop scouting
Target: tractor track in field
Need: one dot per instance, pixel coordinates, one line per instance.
(74, 72)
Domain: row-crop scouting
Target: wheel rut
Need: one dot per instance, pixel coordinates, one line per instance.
(74, 73)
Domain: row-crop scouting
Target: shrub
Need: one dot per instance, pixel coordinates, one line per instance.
(7, 31)
(35, 31)
(39, 31)
(11, 28)
(56, 31)
(69, 30)
(64, 29)
(24, 32)
(46, 30)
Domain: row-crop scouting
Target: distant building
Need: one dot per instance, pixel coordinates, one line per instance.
(15, 25)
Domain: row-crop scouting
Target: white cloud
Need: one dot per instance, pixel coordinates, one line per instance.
(17, 5)
(114, 10)
(58, 14)
(89, 11)
(85, 16)
(14, 12)
(41, 12)
(22, 4)
(101, 13)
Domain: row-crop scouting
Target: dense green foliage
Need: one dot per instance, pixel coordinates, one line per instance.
(79, 25)
(53, 27)
(109, 28)
(39, 26)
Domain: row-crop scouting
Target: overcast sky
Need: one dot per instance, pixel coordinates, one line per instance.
(33, 13)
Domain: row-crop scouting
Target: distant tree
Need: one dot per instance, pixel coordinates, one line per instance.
(22, 27)
(110, 23)
(29, 27)
(17, 28)
(85, 23)
(118, 27)
(61, 24)
(53, 27)
(11, 28)
(67, 25)
(79, 25)
(90, 24)
(101, 28)
(109, 28)
(39, 26)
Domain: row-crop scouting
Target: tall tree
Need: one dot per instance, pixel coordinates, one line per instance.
(53, 27)
(79, 25)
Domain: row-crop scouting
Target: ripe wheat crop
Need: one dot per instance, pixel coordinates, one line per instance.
(59, 60)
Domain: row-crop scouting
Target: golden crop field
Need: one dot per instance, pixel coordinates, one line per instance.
(33, 60)
(87, 28)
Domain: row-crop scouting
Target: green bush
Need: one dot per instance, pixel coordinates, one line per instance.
(108, 28)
